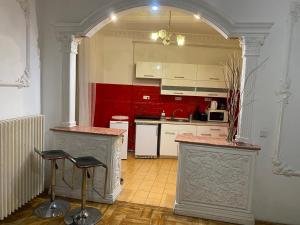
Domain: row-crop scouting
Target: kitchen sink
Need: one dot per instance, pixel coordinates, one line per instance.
(178, 119)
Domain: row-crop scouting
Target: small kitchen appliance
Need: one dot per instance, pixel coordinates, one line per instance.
(217, 115)
(213, 105)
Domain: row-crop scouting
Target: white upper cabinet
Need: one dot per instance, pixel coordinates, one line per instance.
(180, 71)
(211, 81)
(178, 87)
(152, 70)
(210, 73)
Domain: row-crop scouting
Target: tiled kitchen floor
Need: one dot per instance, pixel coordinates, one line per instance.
(149, 181)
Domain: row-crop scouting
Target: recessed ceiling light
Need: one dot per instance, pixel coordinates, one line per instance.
(197, 16)
(113, 17)
(154, 8)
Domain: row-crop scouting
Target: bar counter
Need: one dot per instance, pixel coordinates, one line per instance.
(215, 179)
(101, 143)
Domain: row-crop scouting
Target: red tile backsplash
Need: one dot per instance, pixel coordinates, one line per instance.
(114, 99)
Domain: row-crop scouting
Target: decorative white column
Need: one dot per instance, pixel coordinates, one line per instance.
(69, 47)
(251, 50)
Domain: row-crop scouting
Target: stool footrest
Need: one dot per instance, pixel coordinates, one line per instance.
(52, 209)
(87, 216)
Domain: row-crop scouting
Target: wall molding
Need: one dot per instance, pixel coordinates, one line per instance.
(281, 167)
(24, 79)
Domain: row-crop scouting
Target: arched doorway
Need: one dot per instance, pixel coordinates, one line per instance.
(251, 36)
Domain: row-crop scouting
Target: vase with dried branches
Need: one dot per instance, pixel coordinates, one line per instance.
(232, 73)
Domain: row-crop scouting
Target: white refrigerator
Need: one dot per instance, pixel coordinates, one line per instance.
(146, 138)
(122, 125)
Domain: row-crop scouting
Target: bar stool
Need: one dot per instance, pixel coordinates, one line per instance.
(85, 215)
(53, 207)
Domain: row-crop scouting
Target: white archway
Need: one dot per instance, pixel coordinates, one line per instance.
(251, 35)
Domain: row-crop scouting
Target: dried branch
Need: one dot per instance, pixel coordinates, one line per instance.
(232, 73)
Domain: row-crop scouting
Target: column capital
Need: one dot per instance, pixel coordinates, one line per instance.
(251, 45)
(74, 44)
(68, 42)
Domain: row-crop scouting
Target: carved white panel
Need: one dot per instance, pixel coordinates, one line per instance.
(223, 178)
(215, 183)
(100, 147)
(22, 80)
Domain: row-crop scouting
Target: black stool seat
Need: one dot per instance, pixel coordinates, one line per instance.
(87, 162)
(53, 154)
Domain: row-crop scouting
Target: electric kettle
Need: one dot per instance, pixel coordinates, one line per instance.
(213, 105)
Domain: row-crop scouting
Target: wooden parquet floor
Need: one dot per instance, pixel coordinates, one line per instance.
(120, 213)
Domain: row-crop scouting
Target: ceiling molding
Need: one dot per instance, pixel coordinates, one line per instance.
(191, 39)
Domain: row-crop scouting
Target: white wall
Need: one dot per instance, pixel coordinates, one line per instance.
(112, 57)
(16, 102)
(276, 198)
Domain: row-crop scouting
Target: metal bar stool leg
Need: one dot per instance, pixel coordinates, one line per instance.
(84, 215)
(53, 207)
(53, 179)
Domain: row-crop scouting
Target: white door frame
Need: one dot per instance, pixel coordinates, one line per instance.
(251, 35)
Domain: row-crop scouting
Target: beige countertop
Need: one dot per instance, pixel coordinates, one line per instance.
(220, 142)
(193, 122)
(91, 130)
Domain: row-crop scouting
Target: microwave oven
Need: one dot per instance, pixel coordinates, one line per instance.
(216, 115)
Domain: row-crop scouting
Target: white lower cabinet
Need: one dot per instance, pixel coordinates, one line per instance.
(212, 131)
(168, 146)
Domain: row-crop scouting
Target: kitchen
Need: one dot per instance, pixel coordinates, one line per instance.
(156, 92)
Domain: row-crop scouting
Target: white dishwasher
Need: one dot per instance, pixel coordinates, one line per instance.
(146, 137)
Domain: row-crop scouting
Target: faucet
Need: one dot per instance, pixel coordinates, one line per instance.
(173, 113)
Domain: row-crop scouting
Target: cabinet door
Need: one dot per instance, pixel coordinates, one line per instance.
(168, 146)
(181, 71)
(178, 87)
(149, 70)
(211, 88)
(212, 131)
(187, 130)
(210, 73)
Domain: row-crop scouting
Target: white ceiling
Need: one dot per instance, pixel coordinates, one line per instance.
(144, 19)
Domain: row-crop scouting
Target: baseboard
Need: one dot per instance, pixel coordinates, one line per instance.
(219, 214)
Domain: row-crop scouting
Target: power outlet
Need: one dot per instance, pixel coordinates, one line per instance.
(146, 97)
(263, 133)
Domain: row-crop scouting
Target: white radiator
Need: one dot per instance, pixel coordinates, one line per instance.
(21, 170)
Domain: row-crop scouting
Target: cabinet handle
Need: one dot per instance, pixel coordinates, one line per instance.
(148, 75)
(206, 134)
(171, 133)
(187, 133)
(215, 129)
(214, 78)
(178, 77)
(178, 93)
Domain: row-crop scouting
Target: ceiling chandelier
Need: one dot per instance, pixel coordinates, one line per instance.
(165, 35)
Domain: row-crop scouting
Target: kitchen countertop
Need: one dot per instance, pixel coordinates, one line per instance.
(220, 142)
(193, 122)
(91, 130)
